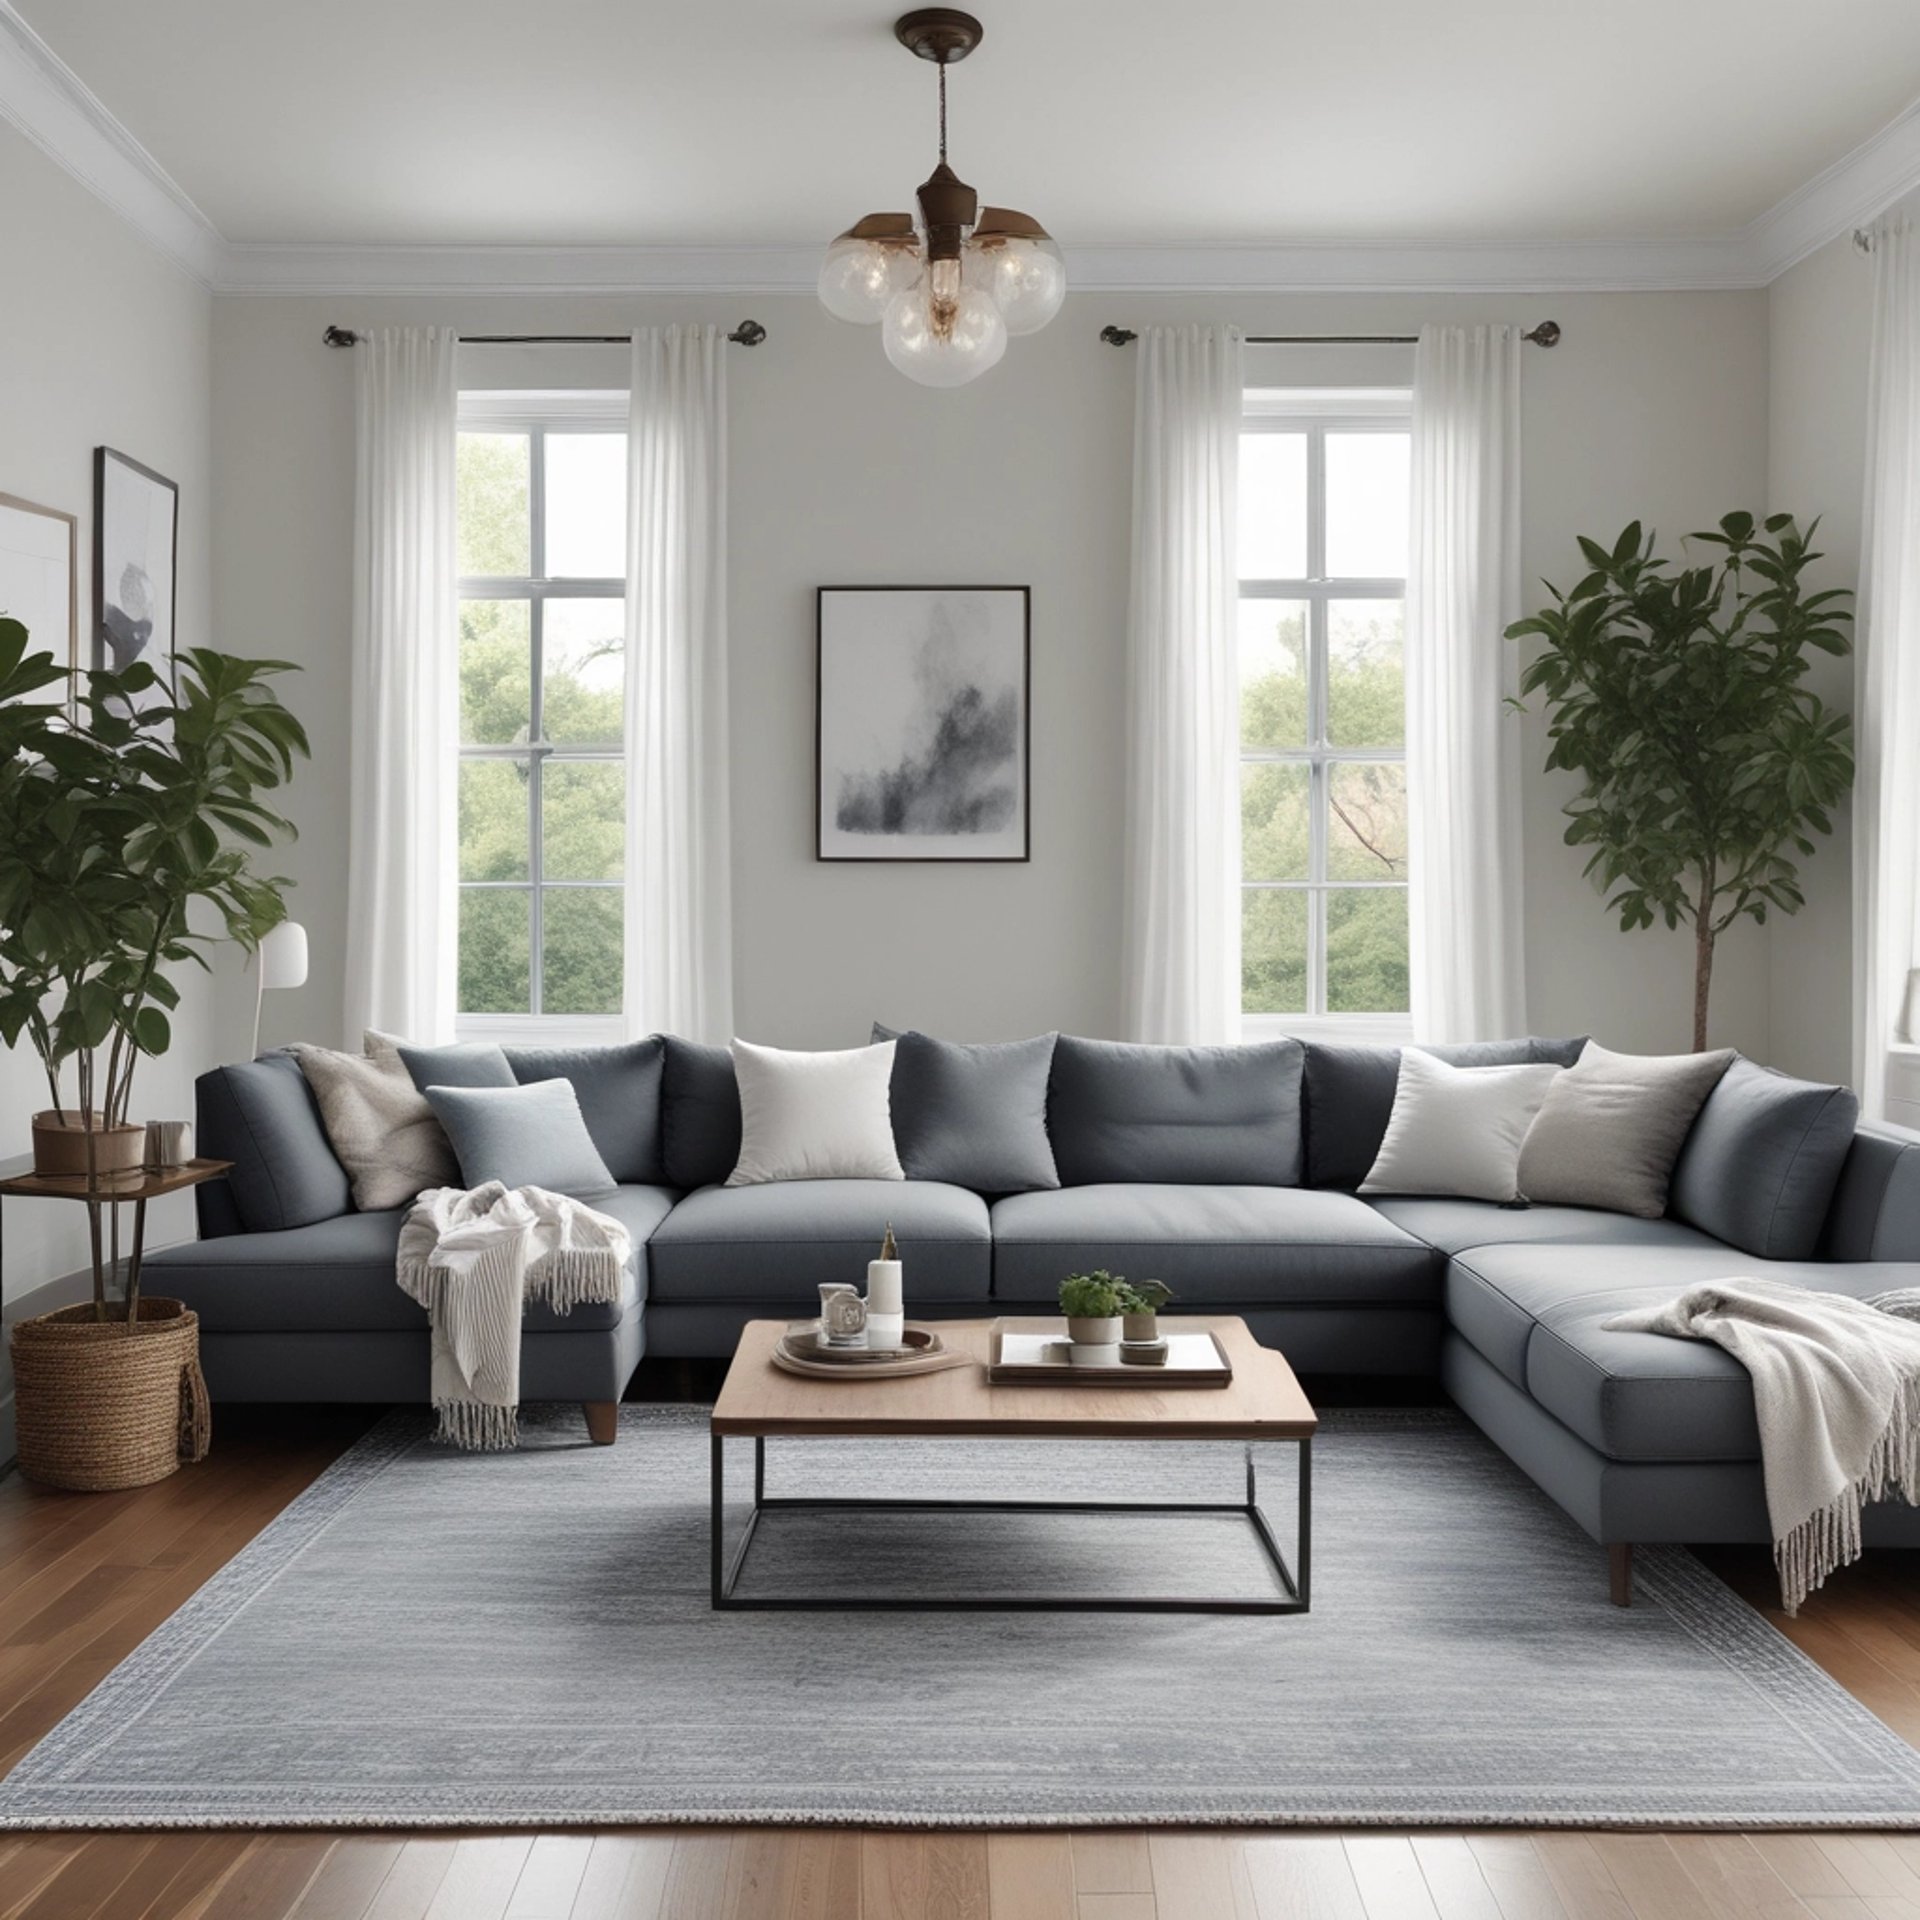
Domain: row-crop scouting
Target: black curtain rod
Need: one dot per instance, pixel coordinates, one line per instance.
(749, 333)
(1546, 334)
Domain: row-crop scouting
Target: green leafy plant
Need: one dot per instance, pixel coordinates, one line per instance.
(1144, 1296)
(117, 815)
(1679, 698)
(1092, 1296)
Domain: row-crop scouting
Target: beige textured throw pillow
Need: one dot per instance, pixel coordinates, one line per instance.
(378, 1123)
(1612, 1126)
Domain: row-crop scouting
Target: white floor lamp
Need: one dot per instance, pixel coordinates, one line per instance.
(281, 962)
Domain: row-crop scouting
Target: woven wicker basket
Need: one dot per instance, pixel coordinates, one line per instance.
(100, 1404)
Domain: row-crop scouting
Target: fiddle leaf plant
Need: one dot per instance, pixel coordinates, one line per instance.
(1678, 698)
(118, 815)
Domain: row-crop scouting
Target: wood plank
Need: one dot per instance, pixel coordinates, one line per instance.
(353, 1872)
(1302, 1873)
(1117, 1906)
(1385, 1869)
(1029, 1877)
(267, 1879)
(549, 1883)
(1870, 1866)
(959, 1875)
(626, 1877)
(481, 1877)
(1522, 1887)
(1106, 1860)
(893, 1876)
(1201, 1876)
(1580, 1877)
(89, 1879)
(760, 1874)
(1455, 1884)
(179, 1873)
(696, 1886)
(1800, 1860)
(826, 1880)
(409, 1889)
(1734, 1880)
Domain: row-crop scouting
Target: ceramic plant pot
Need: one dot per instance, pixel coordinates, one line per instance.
(60, 1143)
(1095, 1342)
(1142, 1326)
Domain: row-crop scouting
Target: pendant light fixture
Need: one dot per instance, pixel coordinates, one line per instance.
(947, 291)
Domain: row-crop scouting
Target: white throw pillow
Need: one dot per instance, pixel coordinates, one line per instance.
(1457, 1130)
(815, 1116)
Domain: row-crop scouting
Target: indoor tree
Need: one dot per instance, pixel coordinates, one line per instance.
(1679, 699)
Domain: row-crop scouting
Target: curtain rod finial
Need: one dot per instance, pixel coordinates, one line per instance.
(749, 333)
(1118, 336)
(341, 337)
(1546, 334)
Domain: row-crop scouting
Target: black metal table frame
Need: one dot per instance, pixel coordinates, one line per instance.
(726, 1569)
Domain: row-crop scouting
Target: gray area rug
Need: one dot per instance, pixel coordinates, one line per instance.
(430, 1638)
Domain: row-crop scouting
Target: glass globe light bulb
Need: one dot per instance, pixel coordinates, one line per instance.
(941, 348)
(1025, 277)
(859, 277)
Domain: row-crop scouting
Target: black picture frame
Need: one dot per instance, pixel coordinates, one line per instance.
(1021, 682)
(114, 546)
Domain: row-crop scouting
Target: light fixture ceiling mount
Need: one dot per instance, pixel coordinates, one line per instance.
(947, 290)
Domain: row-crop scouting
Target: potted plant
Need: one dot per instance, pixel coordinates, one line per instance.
(120, 811)
(1140, 1304)
(1093, 1303)
(1680, 701)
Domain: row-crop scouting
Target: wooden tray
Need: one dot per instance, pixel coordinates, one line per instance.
(1023, 1351)
(799, 1351)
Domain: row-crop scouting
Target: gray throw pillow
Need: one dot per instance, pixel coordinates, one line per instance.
(1612, 1126)
(619, 1092)
(262, 1116)
(477, 1063)
(531, 1136)
(699, 1114)
(974, 1116)
(1199, 1116)
(1760, 1166)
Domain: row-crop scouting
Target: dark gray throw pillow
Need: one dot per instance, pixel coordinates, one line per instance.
(699, 1114)
(975, 1116)
(477, 1063)
(1195, 1116)
(1350, 1094)
(619, 1092)
(1760, 1166)
(262, 1116)
(530, 1136)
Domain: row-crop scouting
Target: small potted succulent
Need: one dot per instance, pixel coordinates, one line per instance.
(1140, 1304)
(1093, 1303)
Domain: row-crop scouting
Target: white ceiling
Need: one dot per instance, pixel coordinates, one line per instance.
(634, 123)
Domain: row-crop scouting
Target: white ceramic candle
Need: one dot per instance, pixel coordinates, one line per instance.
(883, 1287)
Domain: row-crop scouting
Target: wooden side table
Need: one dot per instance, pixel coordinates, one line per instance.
(112, 1191)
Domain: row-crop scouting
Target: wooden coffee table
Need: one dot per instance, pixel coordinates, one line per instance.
(1264, 1402)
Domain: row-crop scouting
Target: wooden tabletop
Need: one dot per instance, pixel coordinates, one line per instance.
(1263, 1402)
(136, 1183)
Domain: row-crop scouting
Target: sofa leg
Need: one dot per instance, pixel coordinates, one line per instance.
(1620, 1574)
(603, 1421)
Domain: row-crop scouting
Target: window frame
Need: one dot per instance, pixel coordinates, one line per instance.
(535, 416)
(1315, 414)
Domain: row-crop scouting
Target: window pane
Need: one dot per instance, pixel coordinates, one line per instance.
(1273, 506)
(586, 506)
(583, 646)
(1276, 820)
(1367, 950)
(583, 815)
(581, 961)
(496, 672)
(1367, 508)
(493, 491)
(494, 836)
(496, 939)
(1273, 950)
(1273, 673)
(1367, 822)
(1366, 673)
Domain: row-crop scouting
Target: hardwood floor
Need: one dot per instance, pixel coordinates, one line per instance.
(84, 1577)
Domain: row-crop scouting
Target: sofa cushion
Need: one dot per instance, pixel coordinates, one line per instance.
(1760, 1166)
(263, 1117)
(973, 1115)
(337, 1275)
(1350, 1091)
(699, 1114)
(619, 1092)
(1452, 1225)
(1213, 1245)
(473, 1063)
(1218, 1116)
(784, 1239)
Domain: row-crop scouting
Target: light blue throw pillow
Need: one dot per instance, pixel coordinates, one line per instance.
(531, 1136)
(476, 1063)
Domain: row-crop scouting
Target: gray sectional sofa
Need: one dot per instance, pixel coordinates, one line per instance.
(1230, 1173)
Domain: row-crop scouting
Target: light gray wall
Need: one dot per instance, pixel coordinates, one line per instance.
(101, 341)
(1654, 406)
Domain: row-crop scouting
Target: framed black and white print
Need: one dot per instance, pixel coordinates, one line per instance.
(922, 732)
(136, 541)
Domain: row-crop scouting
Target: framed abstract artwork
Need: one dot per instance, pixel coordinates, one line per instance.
(136, 540)
(39, 576)
(922, 730)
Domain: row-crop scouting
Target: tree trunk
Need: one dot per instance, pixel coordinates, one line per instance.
(1702, 958)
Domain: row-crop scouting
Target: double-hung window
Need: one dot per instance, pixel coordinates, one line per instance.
(542, 543)
(1323, 530)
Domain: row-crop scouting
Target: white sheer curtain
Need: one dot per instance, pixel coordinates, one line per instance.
(1182, 913)
(1886, 808)
(1463, 743)
(679, 900)
(402, 925)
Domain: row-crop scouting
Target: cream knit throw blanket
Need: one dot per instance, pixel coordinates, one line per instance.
(1836, 1388)
(476, 1261)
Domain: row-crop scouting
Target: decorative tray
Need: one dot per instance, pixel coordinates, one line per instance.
(1024, 1350)
(800, 1350)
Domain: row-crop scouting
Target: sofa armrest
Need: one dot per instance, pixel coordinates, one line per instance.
(1876, 1206)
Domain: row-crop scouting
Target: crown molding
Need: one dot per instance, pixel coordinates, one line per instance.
(43, 96)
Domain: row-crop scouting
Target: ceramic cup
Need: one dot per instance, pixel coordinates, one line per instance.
(169, 1143)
